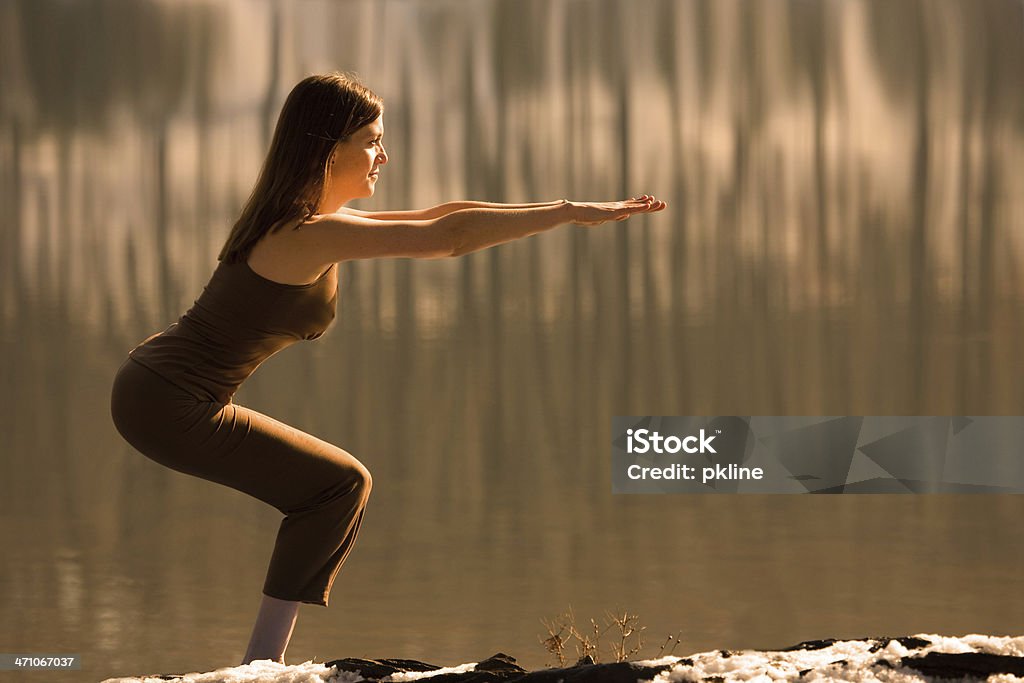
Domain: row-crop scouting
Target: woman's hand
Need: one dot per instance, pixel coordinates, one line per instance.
(596, 213)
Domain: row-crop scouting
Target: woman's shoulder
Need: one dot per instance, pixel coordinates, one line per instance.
(281, 255)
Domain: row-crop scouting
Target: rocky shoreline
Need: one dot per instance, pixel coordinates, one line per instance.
(922, 657)
(502, 668)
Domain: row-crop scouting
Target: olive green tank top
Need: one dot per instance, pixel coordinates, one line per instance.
(240, 320)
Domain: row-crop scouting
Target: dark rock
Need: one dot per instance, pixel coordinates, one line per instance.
(908, 642)
(912, 643)
(977, 665)
(373, 669)
(496, 668)
(501, 668)
(500, 662)
(616, 672)
(811, 645)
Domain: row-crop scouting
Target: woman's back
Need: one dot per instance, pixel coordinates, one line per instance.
(239, 320)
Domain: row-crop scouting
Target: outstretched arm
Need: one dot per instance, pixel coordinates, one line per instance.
(439, 210)
(339, 236)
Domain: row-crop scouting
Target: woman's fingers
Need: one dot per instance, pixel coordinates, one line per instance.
(645, 203)
(648, 202)
(653, 204)
(595, 213)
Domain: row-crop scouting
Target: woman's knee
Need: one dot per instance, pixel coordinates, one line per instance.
(357, 478)
(350, 491)
(364, 479)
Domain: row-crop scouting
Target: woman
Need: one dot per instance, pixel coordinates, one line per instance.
(276, 284)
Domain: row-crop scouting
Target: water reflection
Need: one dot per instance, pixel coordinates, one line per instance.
(843, 238)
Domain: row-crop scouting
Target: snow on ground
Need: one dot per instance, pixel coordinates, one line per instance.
(267, 671)
(755, 666)
(416, 675)
(861, 664)
(260, 671)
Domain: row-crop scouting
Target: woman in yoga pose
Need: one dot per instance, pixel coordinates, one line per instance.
(276, 284)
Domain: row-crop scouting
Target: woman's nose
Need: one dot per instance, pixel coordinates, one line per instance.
(382, 158)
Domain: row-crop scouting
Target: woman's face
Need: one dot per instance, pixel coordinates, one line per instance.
(356, 163)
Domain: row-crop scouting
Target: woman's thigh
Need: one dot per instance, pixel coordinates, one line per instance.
(230, 444)
(275, 462)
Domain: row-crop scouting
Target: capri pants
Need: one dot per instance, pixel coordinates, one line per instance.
(321, 489)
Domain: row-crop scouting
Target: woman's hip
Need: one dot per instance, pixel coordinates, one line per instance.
(230, 444)
(152, 413)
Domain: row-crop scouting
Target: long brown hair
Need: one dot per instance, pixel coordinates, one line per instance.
(320, 111)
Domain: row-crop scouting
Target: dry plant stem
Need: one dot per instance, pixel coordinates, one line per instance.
(590, 644)
(627, 624)
(662, 653)
(555, 642)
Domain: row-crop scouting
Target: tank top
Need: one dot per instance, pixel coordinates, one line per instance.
(239, 320)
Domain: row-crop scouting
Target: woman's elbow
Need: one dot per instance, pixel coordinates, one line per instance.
(440, 253)
(459, 241)
(446, 240)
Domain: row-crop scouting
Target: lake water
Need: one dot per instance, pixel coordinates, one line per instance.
(843, 237)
